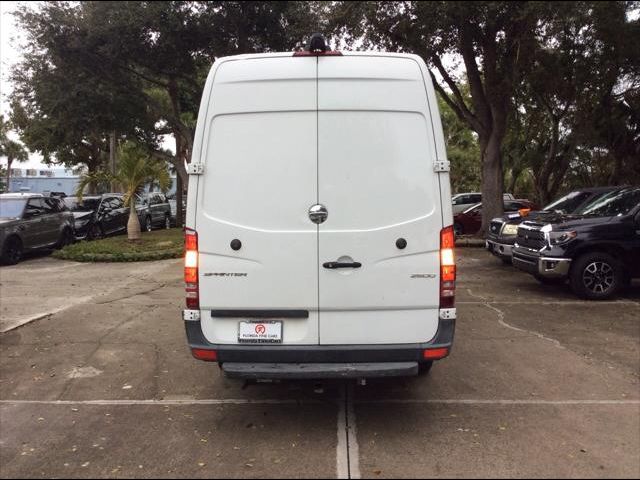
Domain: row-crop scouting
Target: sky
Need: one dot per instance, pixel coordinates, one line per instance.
(9, 55)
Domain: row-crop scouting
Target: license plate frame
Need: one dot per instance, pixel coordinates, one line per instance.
(249, 331)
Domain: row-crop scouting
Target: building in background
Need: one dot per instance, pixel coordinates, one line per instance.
(61, 180)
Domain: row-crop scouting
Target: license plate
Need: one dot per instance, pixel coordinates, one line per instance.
(260, 332)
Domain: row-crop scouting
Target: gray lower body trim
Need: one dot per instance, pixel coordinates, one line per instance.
(299, 371)
(321, 353)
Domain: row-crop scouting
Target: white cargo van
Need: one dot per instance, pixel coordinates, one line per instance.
(318, 231)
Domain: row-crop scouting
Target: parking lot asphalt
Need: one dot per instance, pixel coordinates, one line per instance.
(539, 384)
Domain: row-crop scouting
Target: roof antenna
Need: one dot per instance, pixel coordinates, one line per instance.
(317, 43)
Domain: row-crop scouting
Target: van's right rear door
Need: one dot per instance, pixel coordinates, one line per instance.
(376, 156)
(260, 178)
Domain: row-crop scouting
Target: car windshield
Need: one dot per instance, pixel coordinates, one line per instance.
(11, 207)
(619, 202)
(87, 204)
(569, 203)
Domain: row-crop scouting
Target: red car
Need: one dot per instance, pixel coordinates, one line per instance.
(469, 221)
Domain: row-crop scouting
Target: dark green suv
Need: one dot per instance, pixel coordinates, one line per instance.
(30, 222)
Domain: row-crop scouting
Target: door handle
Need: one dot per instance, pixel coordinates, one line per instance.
(342, 265)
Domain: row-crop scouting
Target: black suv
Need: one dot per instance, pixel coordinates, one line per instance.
(598, 251)
(503, 230)
(31, 222)
(98, 215)
(153, 210)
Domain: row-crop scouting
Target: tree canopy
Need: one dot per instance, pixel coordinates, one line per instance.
(537, 97)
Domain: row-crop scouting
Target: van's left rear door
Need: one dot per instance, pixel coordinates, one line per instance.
(259, 181)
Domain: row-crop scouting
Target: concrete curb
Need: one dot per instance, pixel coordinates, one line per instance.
(470, 243)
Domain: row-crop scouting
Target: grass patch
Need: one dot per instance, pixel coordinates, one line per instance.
(157, 245)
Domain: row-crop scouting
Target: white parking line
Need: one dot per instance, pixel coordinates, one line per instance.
(347, 451)
(222, 401)
(382, 401)
(549, 302)
(342, 448)
(470, 401)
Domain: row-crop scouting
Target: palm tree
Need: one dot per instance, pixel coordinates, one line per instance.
(135, 169)
(10, 149)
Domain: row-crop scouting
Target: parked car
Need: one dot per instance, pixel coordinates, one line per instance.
(332, 255)
(463, 201)
(154, 210)
(97, 216)
(503, 230)
(173, 203)
(470, 221)
(598, 251)
(30, 222)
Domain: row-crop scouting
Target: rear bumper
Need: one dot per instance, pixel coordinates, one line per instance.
(300, 371)
(537, 264)
(320, 361)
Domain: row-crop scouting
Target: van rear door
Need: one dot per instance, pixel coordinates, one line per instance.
(259, 180)
(376, 156)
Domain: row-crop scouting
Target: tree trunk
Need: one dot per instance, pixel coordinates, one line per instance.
(9, 162)
(133, 225)
(179, 209)
(112, 159)
(515, 174)
(492, 174)
(492, 183)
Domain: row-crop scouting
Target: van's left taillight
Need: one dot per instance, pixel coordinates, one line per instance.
(191, 281)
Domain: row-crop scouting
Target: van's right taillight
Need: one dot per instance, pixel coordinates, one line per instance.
(447, 268)
(191, 269)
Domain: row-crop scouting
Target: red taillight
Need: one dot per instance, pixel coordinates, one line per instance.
(447, 268)
(191, 269)
(435, 353)
(206, 355)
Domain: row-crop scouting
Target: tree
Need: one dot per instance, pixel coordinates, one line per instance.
(493, 40)
(14, 151)
(462, 150)
(154, 57)
(135, 169)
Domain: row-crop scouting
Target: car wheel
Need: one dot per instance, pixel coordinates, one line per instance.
(11, 251)
(457, 229)
(148, 226)
(167, 222)
(425, 367)
(550, 281)
(95, 232)
(596, 276)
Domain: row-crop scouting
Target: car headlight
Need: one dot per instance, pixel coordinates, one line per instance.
(510, 229)
(559, 238)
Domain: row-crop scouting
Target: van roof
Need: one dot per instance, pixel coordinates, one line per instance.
(368, 53)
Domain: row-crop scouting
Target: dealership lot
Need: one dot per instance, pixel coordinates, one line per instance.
(539, 384)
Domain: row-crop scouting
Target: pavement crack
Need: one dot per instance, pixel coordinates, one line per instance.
(502, 322)
(144, 292)
(99, 344)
